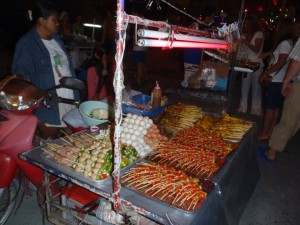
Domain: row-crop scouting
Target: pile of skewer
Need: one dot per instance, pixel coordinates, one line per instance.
(232, 128)
(87, 154)
(228, 127)
(179, 116)
(194, 161)
(165, 184)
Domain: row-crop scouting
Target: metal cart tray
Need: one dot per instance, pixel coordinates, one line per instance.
(209, 186)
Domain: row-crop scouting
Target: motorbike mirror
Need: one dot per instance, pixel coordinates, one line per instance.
(19, 94)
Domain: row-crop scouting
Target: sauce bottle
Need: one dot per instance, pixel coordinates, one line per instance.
(156, 96)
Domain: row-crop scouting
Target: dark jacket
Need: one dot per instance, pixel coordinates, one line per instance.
(32, 60)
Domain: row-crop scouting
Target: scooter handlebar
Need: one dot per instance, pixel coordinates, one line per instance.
(69, 101)
(52, 100)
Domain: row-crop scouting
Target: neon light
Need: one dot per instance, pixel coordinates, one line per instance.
(92, 25)
(180, 44)
(182, 37)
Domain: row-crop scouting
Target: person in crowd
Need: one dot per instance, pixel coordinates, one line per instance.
(139, 57)
(96, 75)
(290, 119)
(273, 76)
(268, 40)
(65, 28)
(40, 56)
(192, 56)
(252, 40)
(109, 36)
(108, 41)
(78, 27)
(297, 28)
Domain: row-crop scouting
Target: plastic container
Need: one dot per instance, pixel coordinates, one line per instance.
(156, 96)
(86, 107)
(143, 100)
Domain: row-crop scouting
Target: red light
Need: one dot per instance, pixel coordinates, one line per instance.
(183, 44)
(246, 10)
(260, 8)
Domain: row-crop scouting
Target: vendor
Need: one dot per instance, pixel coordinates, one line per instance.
(41, 57)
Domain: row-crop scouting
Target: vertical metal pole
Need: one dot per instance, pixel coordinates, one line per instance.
(240, 19)
(233, 74)
(118, 86)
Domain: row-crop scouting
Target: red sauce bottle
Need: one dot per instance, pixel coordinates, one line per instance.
(156, 96)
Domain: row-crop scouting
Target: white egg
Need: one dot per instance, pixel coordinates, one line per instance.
(137, 132)
(131, 121)
(129, 142)
(129, 126)
(137, 121)
(131, 131)
(134, 116)
(147, 125)
(142, 154)
(150, 121)
(126, 119)
(140, 118)
(140, 128)
(129, 115)
(128, 136)
(142, 123)
(144, 132)
(124, 130)
(133, 137)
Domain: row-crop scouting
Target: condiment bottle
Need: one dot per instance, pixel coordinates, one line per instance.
(156, 96)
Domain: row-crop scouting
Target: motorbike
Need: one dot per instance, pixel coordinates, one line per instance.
(18, 99)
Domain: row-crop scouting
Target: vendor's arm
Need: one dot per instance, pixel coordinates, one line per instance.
(92, 81)
(292, 71)
(278, 65)
(22, 62)
(265, 55)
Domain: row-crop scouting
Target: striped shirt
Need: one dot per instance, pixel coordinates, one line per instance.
(295, 53)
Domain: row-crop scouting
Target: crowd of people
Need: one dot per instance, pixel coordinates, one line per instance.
(272, 92)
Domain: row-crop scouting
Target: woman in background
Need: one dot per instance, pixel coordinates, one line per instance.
(96, 75)
(252, 40)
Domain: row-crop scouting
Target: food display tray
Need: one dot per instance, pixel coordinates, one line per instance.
(208, 186)
(220, 161)
(54, 164)
(38, 157)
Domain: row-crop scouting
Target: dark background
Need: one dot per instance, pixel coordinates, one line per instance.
(13, 22)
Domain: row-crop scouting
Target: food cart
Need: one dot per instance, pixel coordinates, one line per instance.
(229, 190)
(233, 185)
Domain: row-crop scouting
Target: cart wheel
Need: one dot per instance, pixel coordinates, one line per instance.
(10, 199)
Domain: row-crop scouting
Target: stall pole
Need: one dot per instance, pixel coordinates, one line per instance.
(233, 74)
(118, 86)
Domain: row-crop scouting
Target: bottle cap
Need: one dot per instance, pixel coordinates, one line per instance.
(157, 85)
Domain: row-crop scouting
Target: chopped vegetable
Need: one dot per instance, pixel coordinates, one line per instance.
(99, 114)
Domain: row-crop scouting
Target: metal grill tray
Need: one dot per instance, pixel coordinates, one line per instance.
(210, 187)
